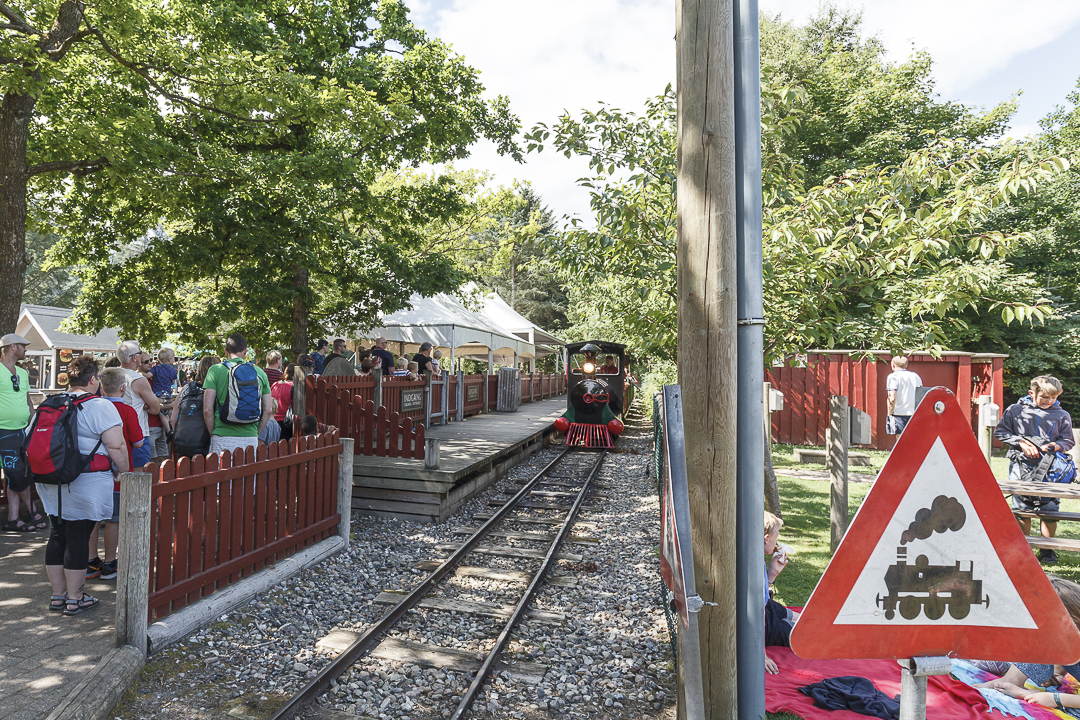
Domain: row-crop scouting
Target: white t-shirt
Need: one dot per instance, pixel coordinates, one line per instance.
(904, 383)
(135, 400)
(89, 496)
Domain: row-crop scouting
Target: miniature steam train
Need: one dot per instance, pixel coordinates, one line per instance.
(929, 589)
(595, 373)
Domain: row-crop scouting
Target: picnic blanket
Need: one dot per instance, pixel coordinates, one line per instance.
(946, 698)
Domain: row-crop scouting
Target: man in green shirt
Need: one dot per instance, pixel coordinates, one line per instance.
(227, 436)
(15, 411)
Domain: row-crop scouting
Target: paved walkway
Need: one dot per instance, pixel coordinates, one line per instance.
(43, 655)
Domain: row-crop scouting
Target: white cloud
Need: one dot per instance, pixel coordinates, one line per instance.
(570, 54)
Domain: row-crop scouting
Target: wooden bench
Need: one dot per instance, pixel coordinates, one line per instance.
(1043, 489)
(817, 456)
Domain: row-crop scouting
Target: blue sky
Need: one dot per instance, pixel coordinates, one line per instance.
(571, 54)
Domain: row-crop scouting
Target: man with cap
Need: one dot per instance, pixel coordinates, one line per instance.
(319, 357)
(385, 358)
(15, 411)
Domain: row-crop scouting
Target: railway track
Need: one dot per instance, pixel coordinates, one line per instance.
(541, 513)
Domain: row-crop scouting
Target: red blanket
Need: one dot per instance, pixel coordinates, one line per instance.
(947, 698)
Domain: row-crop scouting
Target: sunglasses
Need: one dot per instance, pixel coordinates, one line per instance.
(15, 383)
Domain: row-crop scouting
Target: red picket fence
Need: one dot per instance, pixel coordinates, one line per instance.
(473, 394)
(374, 430)
(809, 380)
(215, 520)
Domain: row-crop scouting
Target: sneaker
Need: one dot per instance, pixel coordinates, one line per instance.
(1048, 557)
(108, 570)
(93, 569)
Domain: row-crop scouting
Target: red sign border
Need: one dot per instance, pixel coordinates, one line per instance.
(1056, 639)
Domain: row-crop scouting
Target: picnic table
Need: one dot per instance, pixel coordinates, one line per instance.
(1064, 491)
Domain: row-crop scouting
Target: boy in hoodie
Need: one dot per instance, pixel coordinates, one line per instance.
(1039, 415)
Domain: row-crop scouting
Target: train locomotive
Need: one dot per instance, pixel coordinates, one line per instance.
(931, 589)
(595, 372)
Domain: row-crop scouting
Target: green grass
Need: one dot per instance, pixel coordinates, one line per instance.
(783, 456)
(805, 505)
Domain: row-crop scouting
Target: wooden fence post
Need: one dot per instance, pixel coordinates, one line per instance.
(427, 400)
(836, 461)
(445, 397)
(766, 388)
(460, 395)
(133, 558)
(345, 487)
(377, 396)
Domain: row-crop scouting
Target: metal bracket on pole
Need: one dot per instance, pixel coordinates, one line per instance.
(913, 674)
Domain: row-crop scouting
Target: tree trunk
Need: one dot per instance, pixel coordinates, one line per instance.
(772, 489)
(15, 114)
(300, 312)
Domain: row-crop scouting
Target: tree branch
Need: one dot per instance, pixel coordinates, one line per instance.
(78, 168)
(141, 72)
(17, 21)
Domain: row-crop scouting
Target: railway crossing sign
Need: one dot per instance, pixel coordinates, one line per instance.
(934, 562)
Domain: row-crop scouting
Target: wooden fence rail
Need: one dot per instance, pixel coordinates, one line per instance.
(215, 520)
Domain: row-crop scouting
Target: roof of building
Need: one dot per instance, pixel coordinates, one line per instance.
(40, 324)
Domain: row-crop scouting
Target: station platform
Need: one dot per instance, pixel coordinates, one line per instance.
(473, 453)
(44, 655)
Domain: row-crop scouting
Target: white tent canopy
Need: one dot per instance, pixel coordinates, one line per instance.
(499, 313)
(444, 322)
(496, 332)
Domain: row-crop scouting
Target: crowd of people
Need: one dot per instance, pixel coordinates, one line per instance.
(134, 409)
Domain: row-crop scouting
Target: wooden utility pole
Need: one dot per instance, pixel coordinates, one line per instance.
(707, 326)
(836, 463)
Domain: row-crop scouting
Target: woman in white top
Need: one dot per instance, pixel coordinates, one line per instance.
(74, 509)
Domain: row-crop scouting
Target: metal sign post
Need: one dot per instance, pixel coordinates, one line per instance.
(913, 674)
(677, 552)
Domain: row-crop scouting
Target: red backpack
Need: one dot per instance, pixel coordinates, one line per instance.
(52, 442)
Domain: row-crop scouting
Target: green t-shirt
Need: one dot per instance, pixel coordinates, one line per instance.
(14, 412)
(217, 379)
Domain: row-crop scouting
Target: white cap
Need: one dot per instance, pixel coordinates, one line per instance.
(13, 339)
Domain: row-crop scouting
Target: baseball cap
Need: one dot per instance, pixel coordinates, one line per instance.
(13, 339)
(321, 344)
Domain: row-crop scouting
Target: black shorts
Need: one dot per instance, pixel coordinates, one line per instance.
(895, 424)
(11, 442)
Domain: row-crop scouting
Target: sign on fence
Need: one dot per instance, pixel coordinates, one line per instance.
(472, 393)
(412, 399)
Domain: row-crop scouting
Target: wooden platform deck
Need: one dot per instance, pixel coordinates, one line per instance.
(473, 454)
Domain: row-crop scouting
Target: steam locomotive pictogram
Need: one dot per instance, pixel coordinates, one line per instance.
(930, 589)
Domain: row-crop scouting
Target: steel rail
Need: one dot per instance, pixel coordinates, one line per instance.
(363, 644)
(519, 611)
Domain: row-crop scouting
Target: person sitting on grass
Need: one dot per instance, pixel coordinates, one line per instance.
(1048, 678)
(779, 621)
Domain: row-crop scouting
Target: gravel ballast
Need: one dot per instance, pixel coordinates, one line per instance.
(610, 658)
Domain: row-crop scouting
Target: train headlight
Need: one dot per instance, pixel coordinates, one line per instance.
(588, 368)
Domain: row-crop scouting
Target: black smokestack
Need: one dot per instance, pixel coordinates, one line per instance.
(945, 513)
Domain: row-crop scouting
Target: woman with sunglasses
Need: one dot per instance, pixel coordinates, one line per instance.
(88, 499)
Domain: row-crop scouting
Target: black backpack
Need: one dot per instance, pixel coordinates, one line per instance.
(191, 436)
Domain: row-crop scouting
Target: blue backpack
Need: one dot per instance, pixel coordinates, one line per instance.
(242, 404)
(1053, 466)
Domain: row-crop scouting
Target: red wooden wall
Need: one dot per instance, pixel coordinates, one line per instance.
(808, 381)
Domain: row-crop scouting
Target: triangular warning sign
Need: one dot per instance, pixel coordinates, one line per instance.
(934, 562)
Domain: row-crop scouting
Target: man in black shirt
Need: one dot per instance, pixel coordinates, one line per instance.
(423, 359)
(387, 360)
(339, 350)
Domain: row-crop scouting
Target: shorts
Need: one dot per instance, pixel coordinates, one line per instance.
(115, 508)
(159, 443)
(895, 424)
(1029, 503)
(779, 622)
(11, 442)
(221, 443)
(140, 455)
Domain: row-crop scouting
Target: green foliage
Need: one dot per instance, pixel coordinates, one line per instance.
(57, 286)
(257, 189)
(856, 109)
